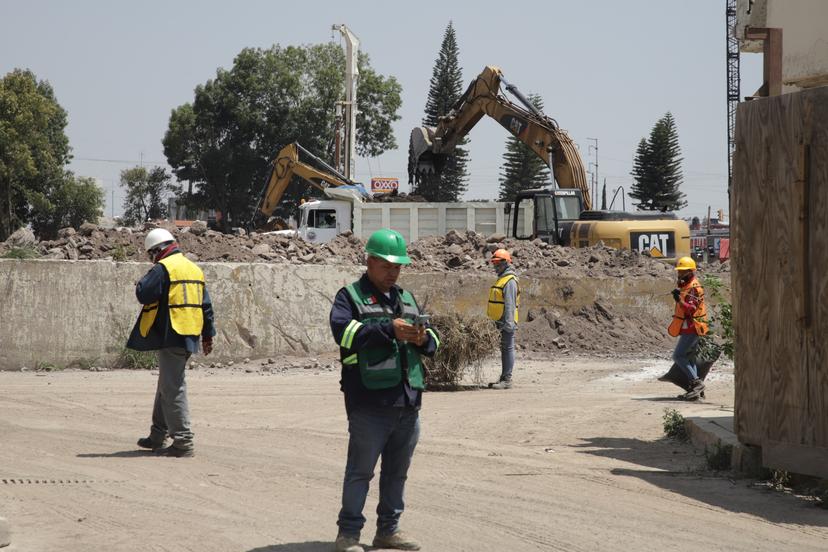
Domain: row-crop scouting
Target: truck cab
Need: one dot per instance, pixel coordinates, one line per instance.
(321, 220)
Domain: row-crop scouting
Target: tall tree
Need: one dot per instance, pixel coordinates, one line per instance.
(604, 195)
(522, 169)
(224, 141)
(657, 169)
(445, 89)
(33, 147)
(147, 192)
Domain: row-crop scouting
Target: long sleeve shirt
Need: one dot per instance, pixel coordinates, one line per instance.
(507, 321)
(342, 313)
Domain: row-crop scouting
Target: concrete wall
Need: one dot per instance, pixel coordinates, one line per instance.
(804, 25)
(65, 311)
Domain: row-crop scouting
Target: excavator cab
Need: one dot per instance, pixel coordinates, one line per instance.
(545, 214)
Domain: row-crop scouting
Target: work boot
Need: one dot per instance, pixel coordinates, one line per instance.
(176, 452)
(150, 443)
(347, 543)
(696, 390)
(397, 541)
(502, 384)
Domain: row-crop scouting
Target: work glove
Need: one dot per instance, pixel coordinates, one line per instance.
(206, 345)
(676, 294)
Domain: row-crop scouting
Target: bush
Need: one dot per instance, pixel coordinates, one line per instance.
(718, 456)
(674, 425)
(465, 341)
(26, 252)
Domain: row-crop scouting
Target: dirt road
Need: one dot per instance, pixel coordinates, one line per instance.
(571, 459)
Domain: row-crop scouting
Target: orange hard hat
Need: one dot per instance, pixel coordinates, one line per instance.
(500, 256)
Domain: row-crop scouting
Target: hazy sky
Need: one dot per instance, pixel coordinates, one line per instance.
(605, 69)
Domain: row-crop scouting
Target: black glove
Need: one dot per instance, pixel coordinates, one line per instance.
(676, 294)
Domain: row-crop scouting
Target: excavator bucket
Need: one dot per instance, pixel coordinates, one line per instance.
(421, 157)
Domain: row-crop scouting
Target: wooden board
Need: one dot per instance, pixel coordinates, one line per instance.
(780, 270)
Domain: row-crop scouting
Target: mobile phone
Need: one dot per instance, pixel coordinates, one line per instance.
(421, 320)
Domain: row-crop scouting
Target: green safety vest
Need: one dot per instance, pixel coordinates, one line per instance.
(381, 367)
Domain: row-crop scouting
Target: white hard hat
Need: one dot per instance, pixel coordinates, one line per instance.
(156, 237)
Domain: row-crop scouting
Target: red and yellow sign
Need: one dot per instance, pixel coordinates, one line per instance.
(384, 185)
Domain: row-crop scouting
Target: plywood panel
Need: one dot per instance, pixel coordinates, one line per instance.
(780, 272)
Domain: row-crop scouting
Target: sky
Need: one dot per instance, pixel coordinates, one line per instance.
(606, 70)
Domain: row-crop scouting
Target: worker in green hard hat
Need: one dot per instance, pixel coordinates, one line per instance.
(382, 335)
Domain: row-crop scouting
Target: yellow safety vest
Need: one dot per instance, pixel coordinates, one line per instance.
(184, 300)
(496, 303)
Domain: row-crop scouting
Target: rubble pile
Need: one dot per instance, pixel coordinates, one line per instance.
(456, 251)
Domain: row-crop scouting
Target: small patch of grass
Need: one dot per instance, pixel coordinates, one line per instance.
(130, 359)
(122, 253)
(780, 479)
(86, 363)
(21, 253)
(674, 424)
(43, 366)
(718, 457)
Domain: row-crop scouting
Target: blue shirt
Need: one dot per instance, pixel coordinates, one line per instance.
(368, 336)
(155, 286)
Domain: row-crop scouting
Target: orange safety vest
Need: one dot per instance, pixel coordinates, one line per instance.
(699, 318)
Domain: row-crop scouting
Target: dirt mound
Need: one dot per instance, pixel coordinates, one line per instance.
(597, 329)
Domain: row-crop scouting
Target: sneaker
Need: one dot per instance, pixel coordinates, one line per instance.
(347, 543)
(696, 389)
(502, 384)
(397, 541)
(148, 443)
(175, 452)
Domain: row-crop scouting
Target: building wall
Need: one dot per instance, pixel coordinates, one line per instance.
(804, 25)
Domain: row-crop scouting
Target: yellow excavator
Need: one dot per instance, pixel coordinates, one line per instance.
(286, 165)
(562, 213)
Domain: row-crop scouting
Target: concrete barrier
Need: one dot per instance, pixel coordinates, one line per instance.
(64, 312)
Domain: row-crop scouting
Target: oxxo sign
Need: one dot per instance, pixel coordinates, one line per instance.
(384, 185)
(658, 244)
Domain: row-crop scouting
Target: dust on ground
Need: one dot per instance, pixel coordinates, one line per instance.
(572, 458)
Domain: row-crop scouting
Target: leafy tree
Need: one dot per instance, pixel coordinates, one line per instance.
(147, 190)
(33, 147)
(445, 89)
(522, 169)
(223, 143)
(604, 195)
(657, 169)
(70, 202)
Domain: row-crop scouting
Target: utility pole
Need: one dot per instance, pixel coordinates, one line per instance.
(733, 88)
(707, 239)
(350, 111)
(595, 174)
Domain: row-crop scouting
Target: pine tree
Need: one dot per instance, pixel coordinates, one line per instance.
(604, 195)
(657, 169)
(445, 89)
(522, 169)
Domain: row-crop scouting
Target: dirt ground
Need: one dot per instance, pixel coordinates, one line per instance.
(571, 459)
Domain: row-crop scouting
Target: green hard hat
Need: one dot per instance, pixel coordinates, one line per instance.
(389, 245)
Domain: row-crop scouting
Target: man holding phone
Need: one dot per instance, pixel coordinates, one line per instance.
(382, 335)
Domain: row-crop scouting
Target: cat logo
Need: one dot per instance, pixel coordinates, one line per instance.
(656, 244)
(514, 124)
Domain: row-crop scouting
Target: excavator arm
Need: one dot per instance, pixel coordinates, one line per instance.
(285, 167)
(429, 147)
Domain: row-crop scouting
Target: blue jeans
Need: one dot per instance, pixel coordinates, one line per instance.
(686, 343)
(507, 354)
(389, 432)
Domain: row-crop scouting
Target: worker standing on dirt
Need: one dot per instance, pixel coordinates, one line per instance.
(176, 313)
(504, 299)
(381, 335)
(689, 323)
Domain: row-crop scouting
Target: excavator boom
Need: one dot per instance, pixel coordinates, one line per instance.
(285, 167)
(429, 147)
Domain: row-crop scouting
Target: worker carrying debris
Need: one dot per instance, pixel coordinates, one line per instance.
(382, 334)
(176, 313)
(689, 322)
(504, 301)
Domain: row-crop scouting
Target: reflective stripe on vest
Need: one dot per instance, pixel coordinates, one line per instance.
(497, 304)
(699, 318)
(184, 300)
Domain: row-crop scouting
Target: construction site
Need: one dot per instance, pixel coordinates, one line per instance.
(591, 448)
